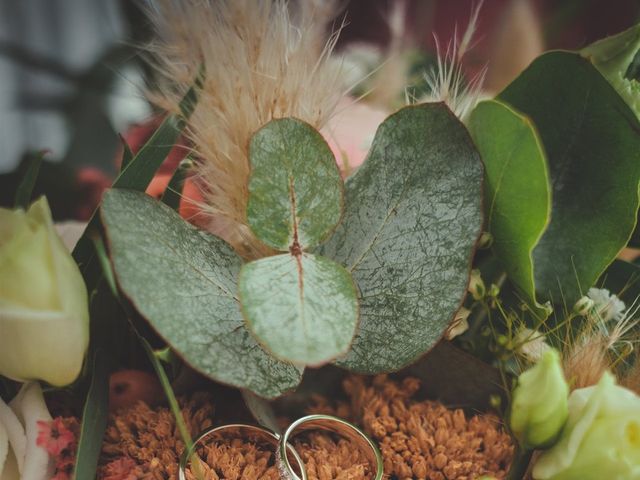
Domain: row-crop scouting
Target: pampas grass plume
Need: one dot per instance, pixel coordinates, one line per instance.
(263, 59)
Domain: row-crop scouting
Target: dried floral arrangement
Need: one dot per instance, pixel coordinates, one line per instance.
(451, 297)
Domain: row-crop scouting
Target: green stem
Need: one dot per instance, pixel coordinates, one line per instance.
(168, 391)
(173, 405)
(520, 464)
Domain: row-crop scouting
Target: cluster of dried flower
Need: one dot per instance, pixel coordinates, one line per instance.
(423, 439)
(418, 439)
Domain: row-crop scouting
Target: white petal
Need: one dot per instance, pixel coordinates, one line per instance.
(10, 471)
(15, 433)
(32, 409)
(4, 447)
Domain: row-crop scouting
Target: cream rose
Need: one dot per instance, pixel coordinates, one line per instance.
(601, 439)
(44, 316)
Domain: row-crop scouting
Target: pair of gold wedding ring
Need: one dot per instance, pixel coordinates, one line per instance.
(285, 452)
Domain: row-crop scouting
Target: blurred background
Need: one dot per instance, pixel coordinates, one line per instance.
(72, 80)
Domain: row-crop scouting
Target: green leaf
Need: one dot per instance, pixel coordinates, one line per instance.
(94, 419)
(169, 393)
(517, 196)
(592, 141)
(458, 379)
(295, 189)
(413, 215)
(173, 193)
(183, 281)
(127, 154)
(302, 308)
(23, 193)
(136, 174)
(618, 59)
(261, 410)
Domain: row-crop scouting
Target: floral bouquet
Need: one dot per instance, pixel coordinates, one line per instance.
(451, 307)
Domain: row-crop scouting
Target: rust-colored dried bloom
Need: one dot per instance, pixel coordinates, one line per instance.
(424, 439)
(418, 439)
(149, 438)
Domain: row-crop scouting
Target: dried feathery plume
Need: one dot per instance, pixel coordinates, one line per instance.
(261, 61)
(600, 346)
(391, 77)
(632, 379)
(517, 41)
(447, 82)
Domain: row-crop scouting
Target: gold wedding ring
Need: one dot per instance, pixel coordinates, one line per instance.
(256, 435)
(330, 424)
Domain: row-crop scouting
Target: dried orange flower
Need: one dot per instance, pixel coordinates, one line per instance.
(423, 439)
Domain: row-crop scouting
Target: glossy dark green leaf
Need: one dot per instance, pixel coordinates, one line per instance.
(413, 214)
(517, 198)
(592, 141)
(295, 189)
(302, 308)
(183, 281)
(618, 58)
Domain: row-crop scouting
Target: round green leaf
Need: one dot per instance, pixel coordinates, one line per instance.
(295, 188)
(183, 281)
(302, 308)
(592, 141)
(413, 215)
(517, 191)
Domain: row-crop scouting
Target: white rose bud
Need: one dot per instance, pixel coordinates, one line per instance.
(539, 405)
(44, 315)
(601, 439)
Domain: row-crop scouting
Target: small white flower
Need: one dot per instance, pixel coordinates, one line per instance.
(608, 306)
(530, 344)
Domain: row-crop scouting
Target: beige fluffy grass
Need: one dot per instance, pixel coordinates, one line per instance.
(446, 81)
(263, 59)
(603, 346)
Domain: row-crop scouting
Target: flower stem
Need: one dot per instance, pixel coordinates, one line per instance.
(173, 405)
(520, 464)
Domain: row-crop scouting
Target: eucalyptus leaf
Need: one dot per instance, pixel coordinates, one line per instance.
(302, 308)
(261, 410)
(295, 188)
(413, 215)
(183, 281)
(592, 141)
(517, 196)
